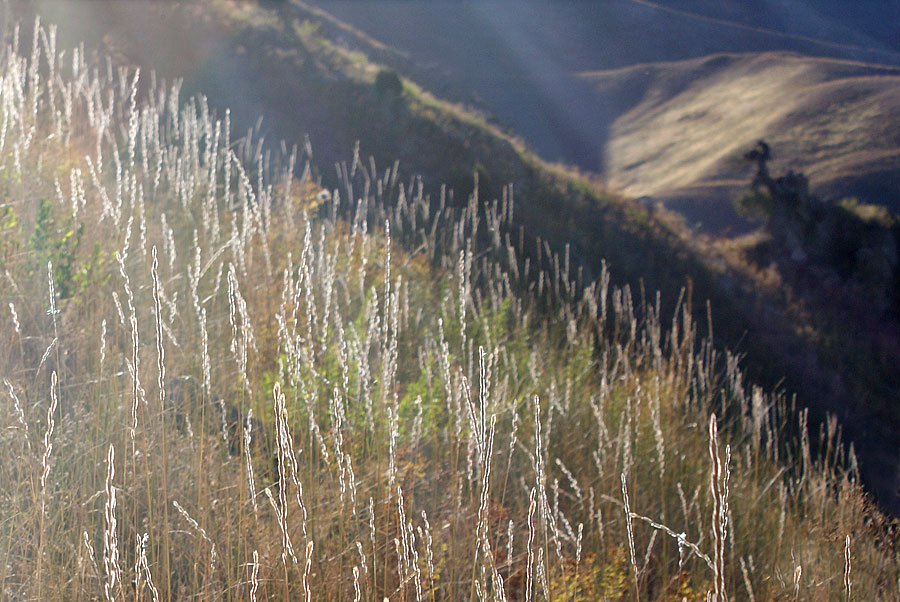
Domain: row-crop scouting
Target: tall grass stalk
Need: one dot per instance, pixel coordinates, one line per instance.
(330, 355)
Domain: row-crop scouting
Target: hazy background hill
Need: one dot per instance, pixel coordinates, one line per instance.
(865, 23)
(684, 125)
(632, 90)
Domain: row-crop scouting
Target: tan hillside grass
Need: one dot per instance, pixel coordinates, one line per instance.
(217, 394)
(682, 126)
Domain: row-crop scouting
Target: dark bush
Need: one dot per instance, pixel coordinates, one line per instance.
(388, 82)
(754, 204)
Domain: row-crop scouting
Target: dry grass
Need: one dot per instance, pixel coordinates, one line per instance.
(684, 125)
(383, 398)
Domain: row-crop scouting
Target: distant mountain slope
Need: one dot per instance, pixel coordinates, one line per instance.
(867, 23)
(580, 80)
(684, 125)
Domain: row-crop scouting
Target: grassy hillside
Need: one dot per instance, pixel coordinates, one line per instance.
(527, 67)
(301, 57)
(223, 382)
(309, 73)
(834, 120)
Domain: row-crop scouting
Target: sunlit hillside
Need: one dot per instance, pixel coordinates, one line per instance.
(833, 120)
(223, 381)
